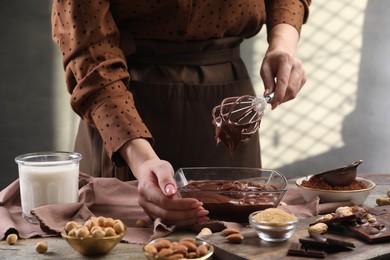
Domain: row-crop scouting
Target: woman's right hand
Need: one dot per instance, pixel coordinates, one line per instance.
(157, 188)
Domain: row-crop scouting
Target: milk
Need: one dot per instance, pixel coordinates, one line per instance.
(47, 182)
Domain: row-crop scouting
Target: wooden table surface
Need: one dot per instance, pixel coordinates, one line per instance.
(59, 249)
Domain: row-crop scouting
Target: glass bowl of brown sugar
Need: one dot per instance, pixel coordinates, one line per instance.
(357, 192)
(274, 225)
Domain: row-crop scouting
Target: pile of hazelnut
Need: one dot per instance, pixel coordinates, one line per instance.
(96, 227)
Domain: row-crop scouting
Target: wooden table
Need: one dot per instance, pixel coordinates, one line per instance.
(59, 249)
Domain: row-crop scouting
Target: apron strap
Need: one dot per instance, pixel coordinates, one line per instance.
(200, 58)
(197, 53)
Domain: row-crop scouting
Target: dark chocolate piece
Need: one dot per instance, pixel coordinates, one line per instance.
(309, 242)
(332, 241)
(297, 249)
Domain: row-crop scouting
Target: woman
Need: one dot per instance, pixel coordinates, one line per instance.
(145, 75)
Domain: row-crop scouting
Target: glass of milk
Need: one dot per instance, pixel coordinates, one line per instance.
(47, 178)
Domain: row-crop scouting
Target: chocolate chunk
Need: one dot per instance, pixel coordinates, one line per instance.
(340, 243)
(329, 245)
(312, 243)
(297, 249)
(332, 241)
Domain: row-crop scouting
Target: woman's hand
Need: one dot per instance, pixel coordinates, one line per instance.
(281, 70)
(157, 188)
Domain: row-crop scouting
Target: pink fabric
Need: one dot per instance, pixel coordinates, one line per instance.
(106, 197)
(111, 197)
(304, 209)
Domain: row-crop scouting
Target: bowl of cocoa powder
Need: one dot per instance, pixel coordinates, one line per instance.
(357, 192)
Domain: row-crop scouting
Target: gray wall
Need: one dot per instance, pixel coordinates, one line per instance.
(366, 130)
(25, 82)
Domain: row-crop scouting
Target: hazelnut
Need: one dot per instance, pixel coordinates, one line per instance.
(71, 225)
(11, 239)
(110, 231)
(82, 232)
(41, 247)
(98, 233)
(140, 223)
(118, 226)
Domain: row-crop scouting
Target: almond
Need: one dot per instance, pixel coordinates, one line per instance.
(229, 231)
(235, 238)
(151, 249)
(202, 250)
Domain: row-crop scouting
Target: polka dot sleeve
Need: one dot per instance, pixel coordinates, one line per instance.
(293, 12)
(96, 71)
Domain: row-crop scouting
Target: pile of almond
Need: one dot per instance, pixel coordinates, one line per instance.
(96, 227)
(184, 248)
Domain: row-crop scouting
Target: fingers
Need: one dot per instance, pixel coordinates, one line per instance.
(157, 196)
(282, 80)
(282, 73)
(173, 210)
(165, 179)
(268, 78)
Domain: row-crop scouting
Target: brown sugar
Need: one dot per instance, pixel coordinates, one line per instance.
(316, 182)
(274, 215)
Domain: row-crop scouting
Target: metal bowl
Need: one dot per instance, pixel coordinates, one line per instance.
(90, 246)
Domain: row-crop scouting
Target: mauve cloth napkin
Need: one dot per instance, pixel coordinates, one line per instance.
(110, 197)
(295, 203)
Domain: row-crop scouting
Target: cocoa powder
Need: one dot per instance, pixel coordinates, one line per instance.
(316, 182)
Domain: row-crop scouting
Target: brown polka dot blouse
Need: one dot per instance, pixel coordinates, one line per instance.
(92, 35)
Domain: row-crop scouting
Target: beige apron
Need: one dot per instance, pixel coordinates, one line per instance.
(175, 87)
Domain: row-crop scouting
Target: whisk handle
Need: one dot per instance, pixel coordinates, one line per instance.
(269, 97)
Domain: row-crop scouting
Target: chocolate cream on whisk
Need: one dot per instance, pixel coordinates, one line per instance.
(237, 119)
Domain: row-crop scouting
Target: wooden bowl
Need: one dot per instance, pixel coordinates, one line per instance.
(90, 246)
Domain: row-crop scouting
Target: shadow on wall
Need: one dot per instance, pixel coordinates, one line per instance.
(366, 131)
(26, 96)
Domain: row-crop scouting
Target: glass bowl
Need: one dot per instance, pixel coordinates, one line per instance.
(153, 256)
(231, 194)
(90, 246)
(273, 231)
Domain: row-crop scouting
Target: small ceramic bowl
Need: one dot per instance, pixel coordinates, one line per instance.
(90, 246)
(356, 196)
(273, 231)
(154, 256)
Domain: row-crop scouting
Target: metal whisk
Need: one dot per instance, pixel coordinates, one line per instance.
(238, 118)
